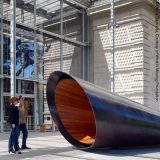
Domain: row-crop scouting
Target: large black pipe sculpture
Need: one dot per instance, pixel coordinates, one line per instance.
(89, 117)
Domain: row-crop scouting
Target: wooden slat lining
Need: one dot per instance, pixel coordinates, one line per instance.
(75, 112)
(79, 99)
(74, 106)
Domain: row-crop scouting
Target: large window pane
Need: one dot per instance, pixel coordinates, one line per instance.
(28, 112)
(6, 103)
(6, 85)
(51, 57)
(29, 44)
(72, 60)
(25, 12)
(27, 87)
(72, 23)
(25, 50)
(50, 20)
(6, 55)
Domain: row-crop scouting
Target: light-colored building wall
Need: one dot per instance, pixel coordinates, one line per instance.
(135, 55)
(152, 60)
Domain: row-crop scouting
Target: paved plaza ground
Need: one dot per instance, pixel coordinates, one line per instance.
(52, 146)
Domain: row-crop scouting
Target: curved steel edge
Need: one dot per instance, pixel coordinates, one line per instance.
(52, 82)
(119, 121)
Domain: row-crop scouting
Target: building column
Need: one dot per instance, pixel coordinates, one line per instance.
(85, 49)
(1, 81)
(113, 44)
(61, 31)
(13, 46)
(36, 118)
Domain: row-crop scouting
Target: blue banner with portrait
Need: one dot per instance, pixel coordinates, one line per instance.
(24, 57)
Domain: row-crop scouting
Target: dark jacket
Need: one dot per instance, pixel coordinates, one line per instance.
(13, 114)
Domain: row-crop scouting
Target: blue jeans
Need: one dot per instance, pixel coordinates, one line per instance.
(13, 139)
(23, 128)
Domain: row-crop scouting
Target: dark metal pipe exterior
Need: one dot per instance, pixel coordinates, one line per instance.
(118, 122)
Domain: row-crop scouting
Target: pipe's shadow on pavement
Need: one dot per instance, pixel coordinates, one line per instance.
(143, 152)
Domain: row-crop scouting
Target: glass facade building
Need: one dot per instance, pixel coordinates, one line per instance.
(35, 41)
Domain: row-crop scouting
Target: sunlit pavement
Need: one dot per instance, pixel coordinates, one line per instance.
(49, 146)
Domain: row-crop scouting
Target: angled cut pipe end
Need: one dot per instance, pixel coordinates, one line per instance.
(89, 117)
(71, 110)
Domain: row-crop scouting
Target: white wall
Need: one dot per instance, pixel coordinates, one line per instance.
(135, 56)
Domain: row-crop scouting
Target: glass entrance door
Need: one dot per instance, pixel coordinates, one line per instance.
(6, 103)
(29, 112)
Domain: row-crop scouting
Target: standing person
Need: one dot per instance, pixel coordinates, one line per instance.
(14, 123)
(22, 124)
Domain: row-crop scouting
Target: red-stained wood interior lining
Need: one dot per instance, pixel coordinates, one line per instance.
(75, 111)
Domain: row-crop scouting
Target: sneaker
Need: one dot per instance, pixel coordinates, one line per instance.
(25, 147)
(11, 151)
(18, 152)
